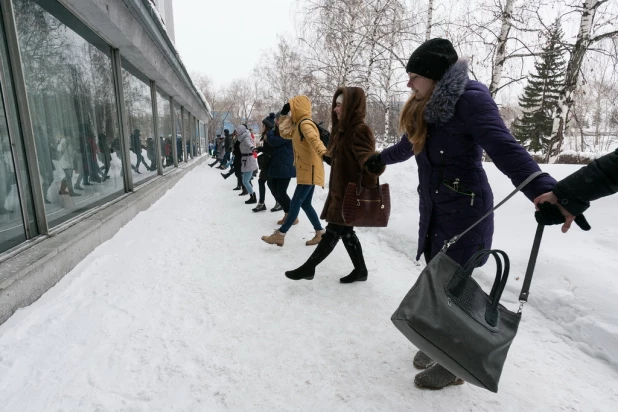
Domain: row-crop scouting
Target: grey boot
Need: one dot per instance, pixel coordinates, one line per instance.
(436, 378)
(422, 361)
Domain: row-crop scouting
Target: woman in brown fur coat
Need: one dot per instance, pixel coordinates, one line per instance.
(351, 144)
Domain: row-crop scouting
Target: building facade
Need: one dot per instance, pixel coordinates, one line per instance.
(166, 10)
(95, 103)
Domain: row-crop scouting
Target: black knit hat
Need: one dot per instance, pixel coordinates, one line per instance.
(269, 121)
(432, 59)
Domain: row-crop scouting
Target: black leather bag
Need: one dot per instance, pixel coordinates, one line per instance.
(448, 316)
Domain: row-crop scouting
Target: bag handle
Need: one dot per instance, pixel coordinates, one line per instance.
(359, 187)
(501, 276)
(455, 238)
(491, 310)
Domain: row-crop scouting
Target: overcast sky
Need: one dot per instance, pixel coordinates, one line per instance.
(225, 38)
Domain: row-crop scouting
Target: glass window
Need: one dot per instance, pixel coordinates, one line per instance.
(165, 130)
(187, 133)
(138, 104)
(179, 148)
(70, 90)
(12, 230)
(201, 135)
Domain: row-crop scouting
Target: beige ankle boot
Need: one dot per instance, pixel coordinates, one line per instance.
(277, 238)
(316, 239)
(282, 221)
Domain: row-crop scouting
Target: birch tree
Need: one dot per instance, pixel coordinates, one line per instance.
(588, 35)
(429, 20)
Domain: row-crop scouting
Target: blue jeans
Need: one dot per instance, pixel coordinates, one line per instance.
(301, 199)
(246, 181)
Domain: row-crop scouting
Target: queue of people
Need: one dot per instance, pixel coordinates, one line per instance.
(447, 123)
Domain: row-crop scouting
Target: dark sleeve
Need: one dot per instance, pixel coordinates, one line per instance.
(364, 146)
(398, 153)
(598, 179)
(276, 141)
(485, 125)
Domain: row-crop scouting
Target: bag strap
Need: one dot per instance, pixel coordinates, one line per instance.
(513, 193)
(302, 136)
(525, 289)
(359, 186)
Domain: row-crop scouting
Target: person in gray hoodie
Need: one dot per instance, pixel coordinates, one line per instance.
(248, 163)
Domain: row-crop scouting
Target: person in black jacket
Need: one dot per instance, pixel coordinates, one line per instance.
(237, 166)
(264, 160)
(573, 194)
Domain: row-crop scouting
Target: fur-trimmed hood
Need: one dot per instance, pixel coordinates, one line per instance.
(441, 106)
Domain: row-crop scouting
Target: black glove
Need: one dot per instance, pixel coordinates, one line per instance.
(374, 164)
(326, 159)
(549, 214)
(285, 110)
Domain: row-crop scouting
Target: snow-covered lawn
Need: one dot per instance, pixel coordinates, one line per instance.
(186, 309)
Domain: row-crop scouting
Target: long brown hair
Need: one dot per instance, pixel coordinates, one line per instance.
(412, 121)
(353, 112)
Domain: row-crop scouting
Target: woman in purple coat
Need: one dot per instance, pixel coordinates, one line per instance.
(448, 121)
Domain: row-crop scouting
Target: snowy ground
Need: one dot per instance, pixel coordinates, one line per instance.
(185, 309)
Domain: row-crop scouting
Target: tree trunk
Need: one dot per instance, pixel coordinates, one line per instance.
(500, 56)
(387, 111)
(429, 20)
(565, 100)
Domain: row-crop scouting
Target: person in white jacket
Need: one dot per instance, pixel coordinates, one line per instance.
(66, 163)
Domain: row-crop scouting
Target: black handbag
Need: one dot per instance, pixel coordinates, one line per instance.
(448, 316)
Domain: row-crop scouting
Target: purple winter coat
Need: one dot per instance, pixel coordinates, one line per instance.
(454, 191)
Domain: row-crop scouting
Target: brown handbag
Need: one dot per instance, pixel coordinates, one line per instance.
(363, 207)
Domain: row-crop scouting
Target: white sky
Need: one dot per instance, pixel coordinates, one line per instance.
(224, 39)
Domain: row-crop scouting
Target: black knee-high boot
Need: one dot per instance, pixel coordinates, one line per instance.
(321, 252)
(353, 246)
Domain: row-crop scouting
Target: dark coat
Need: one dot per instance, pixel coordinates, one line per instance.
(598, 179)
(351, 144)
(264, 158)
(237, 159)
(282, 157)
(454, 191)
(228, 143)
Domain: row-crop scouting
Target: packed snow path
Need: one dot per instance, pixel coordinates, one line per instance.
(186, 309)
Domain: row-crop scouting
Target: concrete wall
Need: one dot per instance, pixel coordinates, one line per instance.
(127, 25)
(29, 274)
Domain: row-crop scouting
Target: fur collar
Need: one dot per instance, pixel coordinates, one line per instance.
(441, 106)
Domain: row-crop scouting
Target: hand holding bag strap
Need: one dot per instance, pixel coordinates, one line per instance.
(359, 187)
(513, 193)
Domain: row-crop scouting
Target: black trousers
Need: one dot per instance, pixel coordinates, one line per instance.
(279, 189)
(262, 186)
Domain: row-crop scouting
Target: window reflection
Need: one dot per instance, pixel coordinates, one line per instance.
(179, 148)
(11, 222)
(187, 134)
(165, 132)
(138, 104)
(72, 105)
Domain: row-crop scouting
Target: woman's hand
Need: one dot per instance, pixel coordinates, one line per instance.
(374, 164)
(550, 212)
(285, 109)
